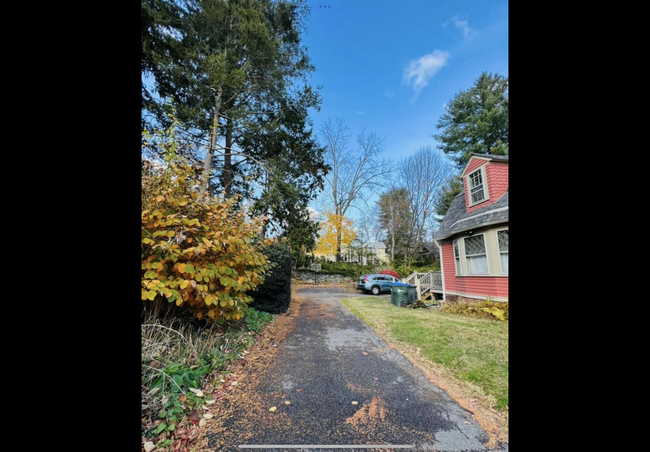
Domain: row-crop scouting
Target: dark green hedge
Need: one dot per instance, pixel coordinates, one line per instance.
(274, 295)
(350, 270)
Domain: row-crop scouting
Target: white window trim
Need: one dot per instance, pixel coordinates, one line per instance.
(486, 192)
(499, 249)
(487, 257)
(460, 257)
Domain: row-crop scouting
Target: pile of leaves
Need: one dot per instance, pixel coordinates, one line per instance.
(199, 252)
(417, 304)
(488, 309)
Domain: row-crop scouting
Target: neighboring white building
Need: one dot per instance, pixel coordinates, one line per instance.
(378, 249)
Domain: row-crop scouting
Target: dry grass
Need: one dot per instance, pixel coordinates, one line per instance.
(169, 343)
(172, 340)
(463, 356)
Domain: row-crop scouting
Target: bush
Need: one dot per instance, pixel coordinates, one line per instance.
(391, 273)
(348, 269)
(197, 251)
(488, 309)
(177, 355)
(274, 294)
(405, 270)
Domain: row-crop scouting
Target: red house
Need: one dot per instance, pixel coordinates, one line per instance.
(473, 236)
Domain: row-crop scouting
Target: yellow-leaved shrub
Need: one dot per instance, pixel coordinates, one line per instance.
(197, 251)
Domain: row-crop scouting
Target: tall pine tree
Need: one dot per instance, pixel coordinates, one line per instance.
(476, 120)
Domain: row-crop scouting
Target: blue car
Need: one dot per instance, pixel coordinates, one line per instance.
(376, 284)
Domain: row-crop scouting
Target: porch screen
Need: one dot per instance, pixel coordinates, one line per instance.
(477, 263)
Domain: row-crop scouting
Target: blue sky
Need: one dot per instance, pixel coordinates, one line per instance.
(390, 66)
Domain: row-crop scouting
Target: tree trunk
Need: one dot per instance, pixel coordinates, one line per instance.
(227, 161)
(207, 164)
(338, 246)
(339, 233)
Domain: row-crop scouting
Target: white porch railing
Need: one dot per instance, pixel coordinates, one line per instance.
(425, 283)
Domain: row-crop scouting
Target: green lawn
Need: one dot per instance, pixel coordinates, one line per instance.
(470, 349)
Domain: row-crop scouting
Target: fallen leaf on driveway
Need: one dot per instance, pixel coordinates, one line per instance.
(354, 402)
(286, 402)
(272, 409)
(202, 422)
(298, 390)
(198, 392)
(149, 446)
(210, 402)
(467, 422)
(364, 353)
(234, 383)
(208, 415)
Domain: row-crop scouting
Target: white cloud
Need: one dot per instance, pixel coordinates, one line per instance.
(462, 25)
(313, 213)
(359, 112)
(418, 72)
(389, 93)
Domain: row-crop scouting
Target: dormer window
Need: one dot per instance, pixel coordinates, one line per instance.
(477, 186)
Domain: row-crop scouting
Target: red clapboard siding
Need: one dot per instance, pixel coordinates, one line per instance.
(497, 182)
(497, 178)
(486, 286)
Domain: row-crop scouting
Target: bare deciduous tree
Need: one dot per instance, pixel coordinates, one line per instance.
(369, 224)
(354, 172)
(423, 174)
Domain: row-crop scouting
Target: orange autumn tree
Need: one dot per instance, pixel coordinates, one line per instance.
(197, 251)
(329, 232)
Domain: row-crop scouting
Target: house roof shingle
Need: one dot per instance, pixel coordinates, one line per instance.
(493, 157)
(457, 220)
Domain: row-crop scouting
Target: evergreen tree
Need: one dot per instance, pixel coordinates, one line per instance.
(476, 120)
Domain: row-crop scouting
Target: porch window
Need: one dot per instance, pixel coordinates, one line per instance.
(476, 186)
(457, 257)
(503, 250)
(477, 263)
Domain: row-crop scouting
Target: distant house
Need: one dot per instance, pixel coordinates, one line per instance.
(428, 252)
(473, 236)
(373, 253)
(367, 253)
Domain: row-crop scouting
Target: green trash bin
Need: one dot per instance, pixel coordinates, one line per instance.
(400, 294)
(413, 293)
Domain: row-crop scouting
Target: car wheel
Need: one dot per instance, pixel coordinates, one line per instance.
(375, 290)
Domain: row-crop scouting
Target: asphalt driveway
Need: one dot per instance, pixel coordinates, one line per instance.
(331, 359)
